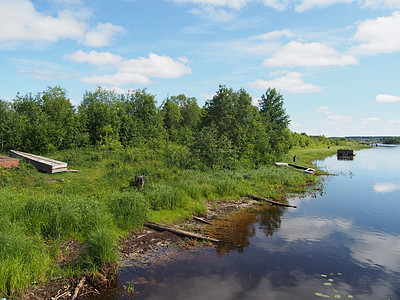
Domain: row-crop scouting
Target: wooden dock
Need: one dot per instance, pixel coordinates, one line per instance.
(305, 169)
(346, 153)
(43, 164)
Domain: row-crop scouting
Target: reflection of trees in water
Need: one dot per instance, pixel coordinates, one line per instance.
(238, 227)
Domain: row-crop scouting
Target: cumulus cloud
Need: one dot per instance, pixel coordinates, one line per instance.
(296, 54)
(310, 4)
(394, 121)
(385, 98)
(291, 82)
(380, 35)
(285, 33)
(21, 22)
(128, 71)
(236, 4)
(102, 35)
(389, 4)
(95, 58)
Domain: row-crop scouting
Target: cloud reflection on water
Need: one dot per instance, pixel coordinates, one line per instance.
(386, 187)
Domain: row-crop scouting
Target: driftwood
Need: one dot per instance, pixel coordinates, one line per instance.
(78, 287)
(201, 220)
(161, 227)
(270, 201)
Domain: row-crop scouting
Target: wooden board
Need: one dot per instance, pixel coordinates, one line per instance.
(43, 164)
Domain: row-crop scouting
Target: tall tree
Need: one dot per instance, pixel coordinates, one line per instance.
(275, 120)
(99, 115)
(62, 127)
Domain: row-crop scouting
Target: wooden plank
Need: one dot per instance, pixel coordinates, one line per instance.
(44, 164)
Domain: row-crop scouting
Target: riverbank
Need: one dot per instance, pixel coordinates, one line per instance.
(59, 231)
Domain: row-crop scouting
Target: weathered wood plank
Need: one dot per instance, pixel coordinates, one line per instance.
(44, 164)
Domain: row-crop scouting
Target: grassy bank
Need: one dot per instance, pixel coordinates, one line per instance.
(100, 203)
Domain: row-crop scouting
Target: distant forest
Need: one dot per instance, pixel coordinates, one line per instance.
(227, 130)
(376, 139)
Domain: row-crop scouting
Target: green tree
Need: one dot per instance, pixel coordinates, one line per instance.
(172, 118)
(98, 115)
(5, 124)
(275, 121)
(141, 121)
(61, 118)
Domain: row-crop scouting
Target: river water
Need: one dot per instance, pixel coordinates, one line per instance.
(342, 242)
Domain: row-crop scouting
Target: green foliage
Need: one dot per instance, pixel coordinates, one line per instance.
(391, 140)
(129, 209)
(101, 246)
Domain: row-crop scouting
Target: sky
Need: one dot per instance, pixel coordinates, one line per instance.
(336, 62)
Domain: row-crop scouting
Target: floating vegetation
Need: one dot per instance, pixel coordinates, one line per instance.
(329, 283)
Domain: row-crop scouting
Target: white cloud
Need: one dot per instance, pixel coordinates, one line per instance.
(94, 58)
(102, 35)
(276, 35)
(385, 98)
(394, 121)
(380, 35)
(370, 120)
(324, 109)
(236, 4)
(128, 71)
(340, 119)
(299, 5)
(21, 22)
(213, 14)
(291, 82)
(310, 4)
(278, 4)
(296, 54)
(389, 4)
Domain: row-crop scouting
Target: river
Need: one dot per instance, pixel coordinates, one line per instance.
(342, 242)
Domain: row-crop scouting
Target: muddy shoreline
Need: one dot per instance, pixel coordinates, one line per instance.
(131, 247)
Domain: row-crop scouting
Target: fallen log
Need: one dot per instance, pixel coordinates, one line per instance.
(270, 201)
(179, 232)
(201, 220)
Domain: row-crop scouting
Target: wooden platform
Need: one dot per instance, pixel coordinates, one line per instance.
(346, 152)
(42, 163)
(8, 162)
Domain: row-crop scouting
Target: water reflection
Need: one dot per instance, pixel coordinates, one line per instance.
(386, 187)
(331, 245)
(237, 228)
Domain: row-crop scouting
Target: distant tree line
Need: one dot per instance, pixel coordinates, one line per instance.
(392, 140)
(227, 130)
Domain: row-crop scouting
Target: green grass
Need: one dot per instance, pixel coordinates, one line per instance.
(100, 203)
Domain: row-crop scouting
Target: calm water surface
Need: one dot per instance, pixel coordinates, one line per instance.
(343, 242)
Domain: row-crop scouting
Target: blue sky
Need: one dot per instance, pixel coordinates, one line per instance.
(336, 62)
